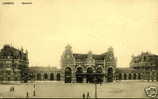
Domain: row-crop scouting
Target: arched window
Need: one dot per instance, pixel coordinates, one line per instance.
(38, 76)
(52, 76)
(130, 76)
(125, 76)
(58, 76)
(45, 76)
(68, 75)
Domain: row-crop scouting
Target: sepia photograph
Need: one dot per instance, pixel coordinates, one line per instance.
(79, 49)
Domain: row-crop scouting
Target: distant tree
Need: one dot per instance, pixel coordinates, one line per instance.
(24, 73)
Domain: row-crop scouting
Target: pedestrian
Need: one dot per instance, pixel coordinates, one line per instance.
(88, 95)
(34, 93)
(27, 94)
(34, 86)
(83, 95)
(13, 88)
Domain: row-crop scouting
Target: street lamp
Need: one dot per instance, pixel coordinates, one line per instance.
(95, 83)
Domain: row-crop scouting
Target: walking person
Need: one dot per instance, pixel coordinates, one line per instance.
(88, 95)
(34, 93)
(27, 94)
(83, 95)
(34, 86)
(11, 91)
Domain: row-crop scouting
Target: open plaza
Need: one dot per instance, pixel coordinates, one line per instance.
(59, 89)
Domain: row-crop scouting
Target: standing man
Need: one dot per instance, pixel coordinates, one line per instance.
(88, 95)
(83, 95)
(34, 93)
(27, 94)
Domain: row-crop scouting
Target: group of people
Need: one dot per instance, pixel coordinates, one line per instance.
(12, 89)
(34, 92)
(84, 96)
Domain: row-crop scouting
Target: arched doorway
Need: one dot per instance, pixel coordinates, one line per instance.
(130, 76)
(139, 76)
(79, 76)
(51, 76)
(125, 76)
(58, 76)
(45, 76)
(110, 75)
(120, 76)
(99, 76)
(90, 76)
(39, 76)
(68, 75)
(134, 76)
(157, 76)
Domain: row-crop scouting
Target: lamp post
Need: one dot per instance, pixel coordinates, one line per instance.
(95, 83)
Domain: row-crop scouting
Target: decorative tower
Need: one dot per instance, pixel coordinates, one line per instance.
(68, 64)
(67, 57)
(110, 64)
(90, 61)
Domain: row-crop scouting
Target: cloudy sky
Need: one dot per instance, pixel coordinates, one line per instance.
(46, 26)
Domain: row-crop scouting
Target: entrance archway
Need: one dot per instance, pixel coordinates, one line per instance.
(120, 76)
(90, 76)
(79, 76)
(99, 76)
(38, 76)
(125, 76)
(52, 76)
(130, 76)
(58, 76)
(134, 76)
(45, 76)
(139, 76)
(110, 75)
(68, 75)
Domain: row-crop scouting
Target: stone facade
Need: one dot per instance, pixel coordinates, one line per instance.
(84, 67)
(142, 67)
(77, 67)
(12, 61)
(45, 73)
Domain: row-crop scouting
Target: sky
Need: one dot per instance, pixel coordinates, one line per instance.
(45, 27)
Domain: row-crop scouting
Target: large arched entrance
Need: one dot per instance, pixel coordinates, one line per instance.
(68, 75)
(99, 75)
(139, 76)
(90, 76)
(79, 76)
(130, 76)
(58, 76)
(125, 76)
(45, 76)
(134, 76)
(39, 76)
(51, 76)
(120, 76)
(110, 75)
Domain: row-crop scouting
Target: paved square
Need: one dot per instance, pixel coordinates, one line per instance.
(121, 89)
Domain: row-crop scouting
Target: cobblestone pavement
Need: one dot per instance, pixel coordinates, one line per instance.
(121, 89)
